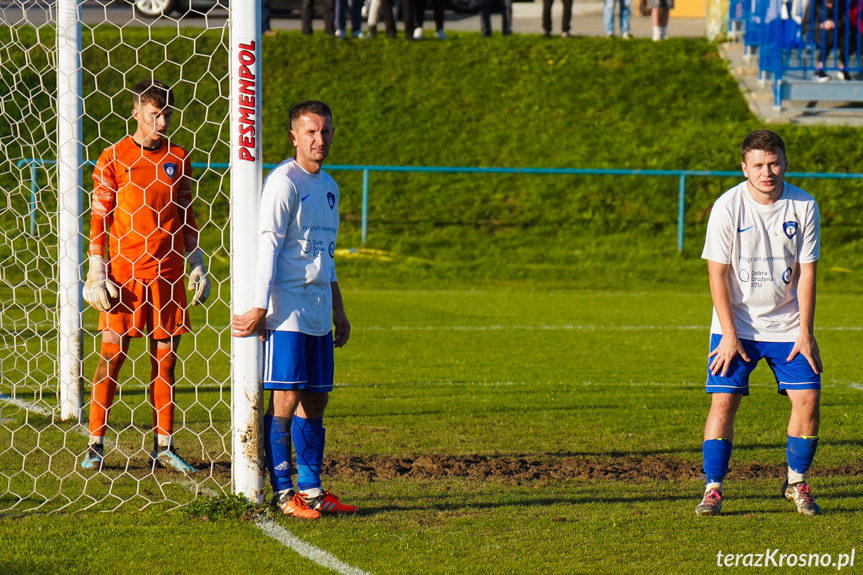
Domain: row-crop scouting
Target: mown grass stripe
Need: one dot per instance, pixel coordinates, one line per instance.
(499, 327)
(566, 327)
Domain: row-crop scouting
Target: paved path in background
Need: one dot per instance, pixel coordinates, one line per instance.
(527, 18)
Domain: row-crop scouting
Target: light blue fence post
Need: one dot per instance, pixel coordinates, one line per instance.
(365, 205)
(36, 164)
(681, 211)
(34, 192)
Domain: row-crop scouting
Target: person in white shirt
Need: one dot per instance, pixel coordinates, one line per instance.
(762, 247)
(297, 303)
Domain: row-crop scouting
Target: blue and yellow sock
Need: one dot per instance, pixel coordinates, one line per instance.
(309, 437)
(800, 453)
(277, 448)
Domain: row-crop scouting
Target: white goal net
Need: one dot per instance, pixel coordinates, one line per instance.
(66, 74)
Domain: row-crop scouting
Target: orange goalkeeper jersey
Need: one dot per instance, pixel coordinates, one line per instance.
(142, 202)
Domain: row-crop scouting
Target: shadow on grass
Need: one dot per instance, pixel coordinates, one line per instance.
(580, 500)
(742, 506)
(615, 454)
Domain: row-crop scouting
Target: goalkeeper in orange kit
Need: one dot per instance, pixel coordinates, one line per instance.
(141, 205)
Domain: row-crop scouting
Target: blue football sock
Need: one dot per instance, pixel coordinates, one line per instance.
(717, 454)
(801, 452)
(309, 437)
(277, 448)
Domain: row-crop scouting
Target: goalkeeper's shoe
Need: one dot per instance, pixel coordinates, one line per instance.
(801, 496)
(329, 503)
(295, 505)
(168, 458)
(711, 503)
(94, 456)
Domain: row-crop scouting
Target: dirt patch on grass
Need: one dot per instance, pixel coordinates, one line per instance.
(623, 468)
(626, 469)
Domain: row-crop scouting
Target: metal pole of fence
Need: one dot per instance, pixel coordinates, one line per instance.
(365, 205)
(681, 210)
(37, 163)
(34, 192)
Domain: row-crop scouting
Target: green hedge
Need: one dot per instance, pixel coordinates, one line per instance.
(518, 101)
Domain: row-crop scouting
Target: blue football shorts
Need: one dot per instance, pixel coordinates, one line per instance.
(295, 361)
(794, 374)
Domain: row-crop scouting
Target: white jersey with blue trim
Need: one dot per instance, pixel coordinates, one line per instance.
(764, 245)
(301, 210)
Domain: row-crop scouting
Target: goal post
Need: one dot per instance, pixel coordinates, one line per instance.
(246, 391)
(70, 181)
(66, 80)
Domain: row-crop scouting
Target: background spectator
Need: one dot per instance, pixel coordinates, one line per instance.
(506, 17)
(265, 19)
(828, 22)
(356, 8)
(659, 10)
(419, 14)
(375, 8)
(625, 12)
(546, 17)
(327, 7)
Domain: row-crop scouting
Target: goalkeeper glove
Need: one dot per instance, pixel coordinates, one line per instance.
(98, 289)
(198, 280)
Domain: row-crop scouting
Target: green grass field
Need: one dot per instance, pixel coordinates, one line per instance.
(539, 431)
(523, 390)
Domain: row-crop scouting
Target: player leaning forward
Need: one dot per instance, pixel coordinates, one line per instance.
(297, 302)
(762, 248)
(141, 204)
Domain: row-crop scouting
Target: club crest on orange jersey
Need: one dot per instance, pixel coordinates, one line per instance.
(170, 169)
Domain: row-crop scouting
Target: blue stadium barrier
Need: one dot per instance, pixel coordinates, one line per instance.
(788, 39)
(752, 24)
(681, 176)
(738, 14)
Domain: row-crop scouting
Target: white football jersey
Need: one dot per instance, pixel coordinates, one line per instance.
(302, 210)
(764, 245)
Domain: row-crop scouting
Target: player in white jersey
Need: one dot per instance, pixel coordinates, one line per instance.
(297, 302)
(762, 247)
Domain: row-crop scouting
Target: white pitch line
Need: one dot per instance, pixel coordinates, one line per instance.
(855, 385)
(273, 530)
(307, 550)
(29, 406)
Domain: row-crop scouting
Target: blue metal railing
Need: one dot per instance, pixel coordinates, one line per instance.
(737, 15)
(789, 35)
(681, 175)
(751, 22)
